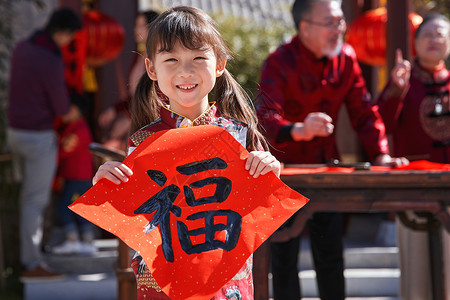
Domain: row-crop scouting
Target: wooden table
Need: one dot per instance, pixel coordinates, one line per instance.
(369, 191)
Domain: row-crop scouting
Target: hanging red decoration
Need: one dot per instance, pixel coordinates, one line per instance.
(367, 34)
(106, 38)
(74, 58)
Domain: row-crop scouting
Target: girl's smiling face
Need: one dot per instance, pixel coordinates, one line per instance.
(186, 77)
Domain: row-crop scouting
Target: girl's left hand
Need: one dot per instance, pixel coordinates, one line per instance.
(262, 162)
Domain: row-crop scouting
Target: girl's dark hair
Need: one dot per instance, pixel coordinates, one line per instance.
(150, 15)
(194, 29)
(429, 18)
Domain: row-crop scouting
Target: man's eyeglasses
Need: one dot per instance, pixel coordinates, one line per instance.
(330, 25)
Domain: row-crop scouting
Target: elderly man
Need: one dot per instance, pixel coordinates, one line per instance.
(303, 85)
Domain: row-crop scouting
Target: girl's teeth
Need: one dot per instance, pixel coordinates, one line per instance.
(186, 87)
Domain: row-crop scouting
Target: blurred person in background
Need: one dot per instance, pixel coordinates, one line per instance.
(74, 175)
(115, 120)
(303, 86)
(37, 96)
(415, 108)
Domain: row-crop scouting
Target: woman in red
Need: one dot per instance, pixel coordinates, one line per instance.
(415, 109)
(116, 118)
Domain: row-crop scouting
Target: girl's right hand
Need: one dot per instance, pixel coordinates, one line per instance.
(114, 171)
(401, 71)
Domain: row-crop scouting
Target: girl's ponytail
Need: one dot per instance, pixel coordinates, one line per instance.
(145, 104)
(233, 101)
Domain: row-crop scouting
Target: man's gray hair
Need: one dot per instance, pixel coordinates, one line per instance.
(303, 7)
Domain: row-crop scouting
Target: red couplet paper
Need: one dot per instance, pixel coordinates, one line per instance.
(191, 209)
(413, 165)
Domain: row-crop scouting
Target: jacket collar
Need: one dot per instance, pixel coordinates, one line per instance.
(438, 75)
(176, 120)
(44, 40)
(298, 44)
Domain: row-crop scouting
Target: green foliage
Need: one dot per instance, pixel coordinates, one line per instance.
(424, 7)
(250, 43)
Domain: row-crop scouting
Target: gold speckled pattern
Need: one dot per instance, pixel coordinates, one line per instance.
(139, 136)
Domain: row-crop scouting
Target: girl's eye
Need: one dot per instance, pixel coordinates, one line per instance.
(199, 57)
(171, 59)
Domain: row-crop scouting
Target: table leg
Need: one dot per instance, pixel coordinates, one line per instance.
(436, 260)
(261, 260)
(126, 281)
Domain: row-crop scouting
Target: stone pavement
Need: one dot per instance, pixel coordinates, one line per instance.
(371, 270)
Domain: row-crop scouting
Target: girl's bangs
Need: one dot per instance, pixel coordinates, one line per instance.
(192, 32)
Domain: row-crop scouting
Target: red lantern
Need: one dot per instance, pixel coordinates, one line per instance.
(106, 38)
(367, 34)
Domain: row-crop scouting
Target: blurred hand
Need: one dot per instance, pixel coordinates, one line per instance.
(70, 142)
(315, 124)
(388, 161)
(120, 127)
(402, 70)
(107, 117)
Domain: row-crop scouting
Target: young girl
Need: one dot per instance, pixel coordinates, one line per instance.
(186, 60)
